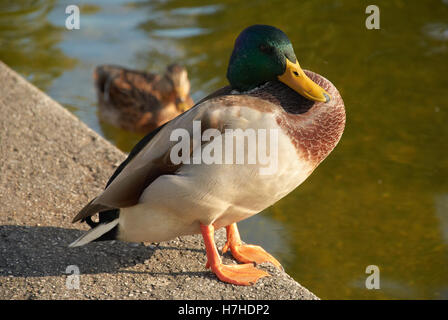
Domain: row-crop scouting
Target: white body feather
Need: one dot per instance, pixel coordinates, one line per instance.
(217, 194)
(179, 199)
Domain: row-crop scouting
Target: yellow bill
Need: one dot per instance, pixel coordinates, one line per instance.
(296, 79)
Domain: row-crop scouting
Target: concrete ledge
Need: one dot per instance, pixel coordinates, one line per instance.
(51, 164)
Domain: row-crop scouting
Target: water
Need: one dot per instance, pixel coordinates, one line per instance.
(381, 198)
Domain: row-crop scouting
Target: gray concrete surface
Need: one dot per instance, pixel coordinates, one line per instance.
(51, 164)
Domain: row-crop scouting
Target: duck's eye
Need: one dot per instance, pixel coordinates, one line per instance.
(266, 48)
(295, 73)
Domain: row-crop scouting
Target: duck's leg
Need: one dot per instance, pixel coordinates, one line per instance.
(240, 274)
(245, 252)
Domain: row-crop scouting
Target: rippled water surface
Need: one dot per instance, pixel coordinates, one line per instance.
(381, 198)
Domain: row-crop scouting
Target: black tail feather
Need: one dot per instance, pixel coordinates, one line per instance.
(105, 217)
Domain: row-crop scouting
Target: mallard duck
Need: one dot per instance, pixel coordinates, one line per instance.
(140, 101)
(153, 197)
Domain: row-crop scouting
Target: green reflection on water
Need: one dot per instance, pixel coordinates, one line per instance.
(381, 198)
(28, 41)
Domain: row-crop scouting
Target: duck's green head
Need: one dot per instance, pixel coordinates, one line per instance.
(264, 53)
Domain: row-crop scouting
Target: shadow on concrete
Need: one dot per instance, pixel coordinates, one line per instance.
(43, 251)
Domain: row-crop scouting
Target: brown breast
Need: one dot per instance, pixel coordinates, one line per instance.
(313, 127)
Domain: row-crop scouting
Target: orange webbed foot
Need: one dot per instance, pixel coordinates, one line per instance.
(239, 274)
(246, 253)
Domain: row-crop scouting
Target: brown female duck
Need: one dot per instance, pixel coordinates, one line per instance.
(140, 101)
